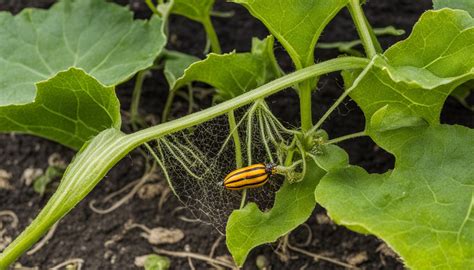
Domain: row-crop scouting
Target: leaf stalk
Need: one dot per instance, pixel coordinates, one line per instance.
(362, 28)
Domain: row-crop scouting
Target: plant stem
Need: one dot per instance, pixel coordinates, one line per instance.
(191, 99)
(362, 27)
(373, 37)
(346, 137)
(152, 7)
(305, 106)
(111, 145)
(270, 88)
(341, 98)
(211, 35)
(169, 102)
(137, 92)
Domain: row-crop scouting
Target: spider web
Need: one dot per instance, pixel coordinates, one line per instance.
(195, 162)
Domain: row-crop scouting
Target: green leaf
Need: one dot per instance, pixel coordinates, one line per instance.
(234, 73)
(329, 157)
(423, 208)
(297, 25)
(175, 65)
(249, 227)
(52, 173)
(197, 10)
(156, 262)
(415, 76)
(70, 108)
(467, 5)
(98, 37)
(392, 117)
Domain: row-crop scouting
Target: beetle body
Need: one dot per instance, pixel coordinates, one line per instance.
(249, 177)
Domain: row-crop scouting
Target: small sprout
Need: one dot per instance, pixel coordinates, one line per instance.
(153, 262)
(52, 173)
(55, 170)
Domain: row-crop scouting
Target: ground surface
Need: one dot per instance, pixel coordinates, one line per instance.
(83, 233)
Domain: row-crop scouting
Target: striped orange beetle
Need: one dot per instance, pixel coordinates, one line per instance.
(249, 177)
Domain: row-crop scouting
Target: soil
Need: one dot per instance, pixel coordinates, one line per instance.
(83, 233)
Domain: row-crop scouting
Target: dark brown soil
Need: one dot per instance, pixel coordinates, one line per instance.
(82, 233)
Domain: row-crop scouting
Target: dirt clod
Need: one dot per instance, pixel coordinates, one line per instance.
(5, 180)
(160, 235)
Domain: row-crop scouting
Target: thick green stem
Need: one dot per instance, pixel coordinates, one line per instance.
(137, 92)
(211, 35)
(342, 63)
(305, 106)
(111, 145)
(362, 27)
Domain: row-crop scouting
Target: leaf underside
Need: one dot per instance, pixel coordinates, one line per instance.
(234, 73)
(175, 65)
(70, 108)
(297, 26)
(96, 36)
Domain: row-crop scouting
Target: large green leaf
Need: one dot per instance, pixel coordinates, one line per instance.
(234, 73)
(249, 227)
(467, 5)
(414, 77)
(99, 37)
(423, 208)
(175, 65)
(198, 10)
(296, 24)
(70, 108)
